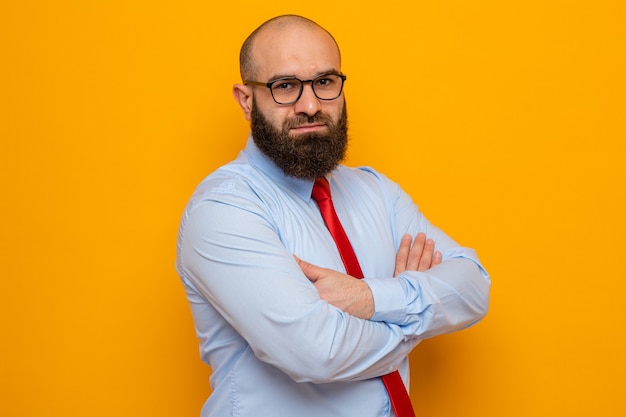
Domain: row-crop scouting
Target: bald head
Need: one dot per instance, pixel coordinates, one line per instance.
(248, 64)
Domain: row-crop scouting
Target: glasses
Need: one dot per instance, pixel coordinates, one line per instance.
(288, 90)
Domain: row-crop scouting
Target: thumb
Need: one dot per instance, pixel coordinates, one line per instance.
(312, 272)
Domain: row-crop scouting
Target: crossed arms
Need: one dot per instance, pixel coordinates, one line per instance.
(241, 278)
(353, 295)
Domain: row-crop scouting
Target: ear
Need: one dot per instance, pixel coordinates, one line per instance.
(243, 95)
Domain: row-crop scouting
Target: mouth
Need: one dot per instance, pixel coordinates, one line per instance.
(317, 127)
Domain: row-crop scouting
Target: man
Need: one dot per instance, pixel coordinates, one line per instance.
(285, 330)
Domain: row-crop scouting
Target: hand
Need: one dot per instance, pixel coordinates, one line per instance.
(353, 295)
(341, 290)
(418, 256)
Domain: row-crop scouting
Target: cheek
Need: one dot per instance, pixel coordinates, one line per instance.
(334, 109)
(273, 114)
(279, 116)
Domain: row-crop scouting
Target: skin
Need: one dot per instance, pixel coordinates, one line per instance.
(296, 50)
(416, 255)
(353, 295)
(304, 51)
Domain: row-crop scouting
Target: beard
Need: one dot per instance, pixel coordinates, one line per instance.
(308, 156)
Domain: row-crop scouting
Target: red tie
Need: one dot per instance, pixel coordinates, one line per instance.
(321, 194)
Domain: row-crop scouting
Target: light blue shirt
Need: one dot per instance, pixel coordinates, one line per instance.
(275, 348)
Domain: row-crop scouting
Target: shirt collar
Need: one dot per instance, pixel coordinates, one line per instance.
(264, 164)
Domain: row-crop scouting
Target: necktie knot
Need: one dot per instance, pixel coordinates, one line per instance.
(321, 190)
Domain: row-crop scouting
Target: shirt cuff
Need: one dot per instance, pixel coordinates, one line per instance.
(389, 299)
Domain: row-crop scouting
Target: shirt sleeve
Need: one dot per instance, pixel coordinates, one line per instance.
(231, 253)
(444, 299)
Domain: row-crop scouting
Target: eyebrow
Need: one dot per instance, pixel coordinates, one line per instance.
(328, 72)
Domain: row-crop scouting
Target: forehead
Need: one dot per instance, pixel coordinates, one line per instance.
(295, 50)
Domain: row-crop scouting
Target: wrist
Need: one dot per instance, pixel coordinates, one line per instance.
(388, 298)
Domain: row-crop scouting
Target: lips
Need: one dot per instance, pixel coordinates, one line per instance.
(305, 124)
(308, 128)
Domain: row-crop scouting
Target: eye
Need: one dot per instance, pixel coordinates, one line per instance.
(286, 85)
(325, 81)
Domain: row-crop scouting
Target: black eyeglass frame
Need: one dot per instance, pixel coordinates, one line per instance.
(302, 82)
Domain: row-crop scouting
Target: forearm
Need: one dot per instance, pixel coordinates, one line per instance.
(444, 299)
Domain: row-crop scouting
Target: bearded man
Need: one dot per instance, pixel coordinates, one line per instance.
(270, 262)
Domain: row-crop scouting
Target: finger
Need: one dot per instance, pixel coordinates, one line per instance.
(427, 255)
(437, 258)
(416, 252)
(312, 272)
(403, 254)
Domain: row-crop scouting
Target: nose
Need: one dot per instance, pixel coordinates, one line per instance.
(308, 103)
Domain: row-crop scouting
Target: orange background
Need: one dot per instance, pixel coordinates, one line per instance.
(504, 120)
